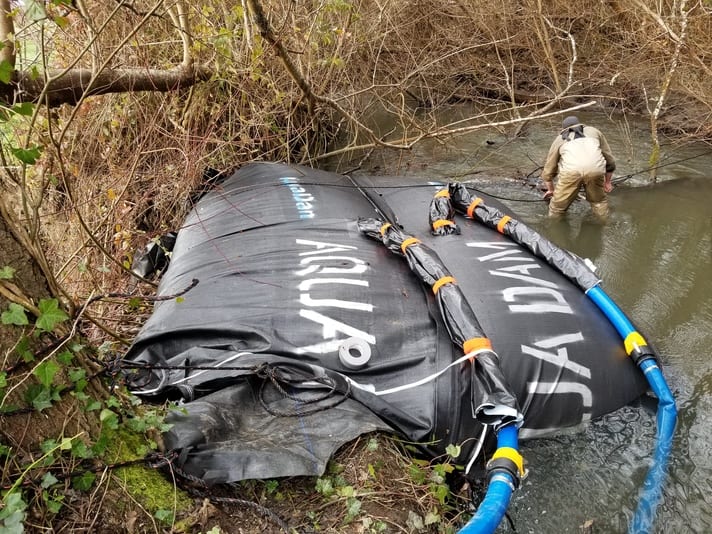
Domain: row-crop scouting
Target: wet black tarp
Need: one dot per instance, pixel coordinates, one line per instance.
(286, 281)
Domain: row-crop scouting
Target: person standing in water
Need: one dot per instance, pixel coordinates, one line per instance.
(579, 155)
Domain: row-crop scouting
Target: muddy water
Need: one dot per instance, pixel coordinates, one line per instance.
(655, 259)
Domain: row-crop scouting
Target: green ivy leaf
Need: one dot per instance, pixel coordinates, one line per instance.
(93, 406)
(48, 445)
(15, 314)
(40, 397)
(84, 481)
(453, 450)
(441, 492)
(65, 357)
(271, 486)
(75, 375)
(80, 449)
(164, 516)
(45, 372)
(12, 514)
(54, 504)
(48, 480)
(6, 71)
(7, 273)
(50, 315)
(27, 155)
(353, 507)
(325, 487)
(110, 418)
(25, 109)
(23, 350)
(347, 491)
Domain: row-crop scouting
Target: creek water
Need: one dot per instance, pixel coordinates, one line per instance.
(654, 257)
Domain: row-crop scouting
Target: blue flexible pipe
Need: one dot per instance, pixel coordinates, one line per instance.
(651, 492)
(499, 491)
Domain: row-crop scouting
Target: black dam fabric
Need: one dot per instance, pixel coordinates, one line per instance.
(287, 281)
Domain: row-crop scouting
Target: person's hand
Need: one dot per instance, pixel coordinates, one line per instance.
(608, 182)
(548, 195)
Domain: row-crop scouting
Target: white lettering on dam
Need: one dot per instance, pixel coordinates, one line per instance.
(538, 295)
(529, 293)
(559, 357)
(343, 269)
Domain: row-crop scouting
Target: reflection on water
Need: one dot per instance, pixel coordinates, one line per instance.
(654, 257)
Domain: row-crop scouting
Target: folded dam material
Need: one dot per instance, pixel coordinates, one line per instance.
(304, 332)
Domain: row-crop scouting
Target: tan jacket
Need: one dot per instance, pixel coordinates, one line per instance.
(587, 155)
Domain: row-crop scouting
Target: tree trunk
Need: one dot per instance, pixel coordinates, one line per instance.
(24, 431)
(70, 86)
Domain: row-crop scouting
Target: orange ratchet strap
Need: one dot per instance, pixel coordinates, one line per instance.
(476, 343)
(408, 242)
(472, 206)
(442, 222)
(504, 220)
(444, 280)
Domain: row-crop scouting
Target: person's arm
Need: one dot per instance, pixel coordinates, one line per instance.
(607, 154)
(551, 168)
(610, 163)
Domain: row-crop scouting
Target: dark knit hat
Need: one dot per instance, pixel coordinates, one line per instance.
(571, 120)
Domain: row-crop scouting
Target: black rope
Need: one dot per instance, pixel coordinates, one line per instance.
(272, 377)
(147, 298)
(262, 510)
(200, 490)
(655, 167)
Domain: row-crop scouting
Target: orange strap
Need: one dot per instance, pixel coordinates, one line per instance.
(476, 343)
(504, 220)
(442, 222)
(472, 206)
(442, 193)
(408, 242)
(444, 280)
(385, 227)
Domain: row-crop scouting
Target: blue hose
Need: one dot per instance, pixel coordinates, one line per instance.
(651, 492)
(499, 490)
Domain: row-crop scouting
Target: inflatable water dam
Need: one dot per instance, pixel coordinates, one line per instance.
(302, 309)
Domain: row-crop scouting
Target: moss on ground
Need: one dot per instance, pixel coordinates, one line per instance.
(146, 485)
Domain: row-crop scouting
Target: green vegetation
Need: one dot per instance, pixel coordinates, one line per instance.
(111, 112)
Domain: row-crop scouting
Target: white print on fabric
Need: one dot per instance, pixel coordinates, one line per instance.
(318, 259)
(303, 201)
(539, 296)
